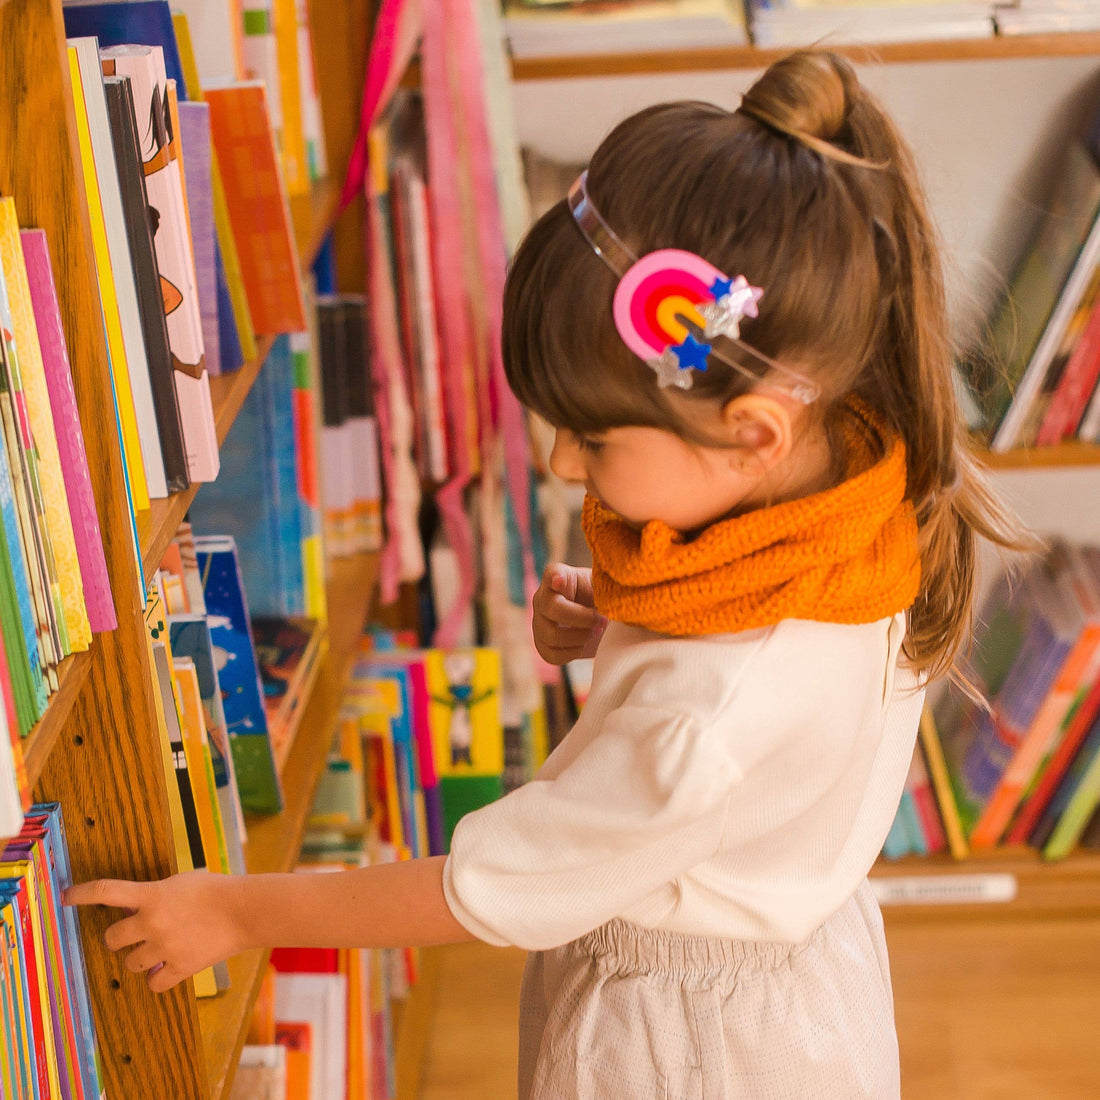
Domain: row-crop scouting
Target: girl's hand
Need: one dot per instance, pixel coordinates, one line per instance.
(176, 927)
(566, 625)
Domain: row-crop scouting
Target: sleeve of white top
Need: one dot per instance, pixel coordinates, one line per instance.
(645, 801)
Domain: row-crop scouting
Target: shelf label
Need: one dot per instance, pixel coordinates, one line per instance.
(985, 889)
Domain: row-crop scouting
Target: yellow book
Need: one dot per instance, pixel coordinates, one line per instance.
(156, 629)
(131, 443)
(941, 783)
(36, 391)
(200, 766)
(294, 156)
(227, 243)
(10, 915)
(25, 870)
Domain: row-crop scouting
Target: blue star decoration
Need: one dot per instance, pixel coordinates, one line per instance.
(720, 287)
(692, 354)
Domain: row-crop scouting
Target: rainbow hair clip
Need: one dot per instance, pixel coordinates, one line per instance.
(674, 310)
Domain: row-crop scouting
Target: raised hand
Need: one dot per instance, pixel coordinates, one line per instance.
(565, 624)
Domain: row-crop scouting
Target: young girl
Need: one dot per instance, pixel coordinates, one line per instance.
(736, 324)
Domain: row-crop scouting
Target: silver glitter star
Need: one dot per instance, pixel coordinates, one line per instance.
(669, 371)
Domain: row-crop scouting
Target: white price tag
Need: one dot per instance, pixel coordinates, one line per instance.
(985, 889)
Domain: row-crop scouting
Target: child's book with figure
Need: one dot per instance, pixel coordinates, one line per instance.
(238, 675)
(467, 733)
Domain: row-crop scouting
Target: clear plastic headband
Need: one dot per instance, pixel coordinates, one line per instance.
(674, 310)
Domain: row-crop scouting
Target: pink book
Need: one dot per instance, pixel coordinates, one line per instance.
(70, 437)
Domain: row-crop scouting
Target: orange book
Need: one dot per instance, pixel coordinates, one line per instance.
(258, 208)
(297, 1037)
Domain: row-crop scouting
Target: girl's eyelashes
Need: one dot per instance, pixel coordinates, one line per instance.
(587, 443)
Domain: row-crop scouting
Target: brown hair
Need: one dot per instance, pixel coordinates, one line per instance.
(809, 191)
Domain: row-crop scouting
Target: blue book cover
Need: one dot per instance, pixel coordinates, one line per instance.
(57, 853)
(128, 22)
(190, 637)
(244, 502)
(907, 811)
(896, 844)
(239, 675)
(404, 751)
(279, 369)
(229, 338)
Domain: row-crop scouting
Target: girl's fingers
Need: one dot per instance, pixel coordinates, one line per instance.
(160, 981)
(114, 893)
(562, 612)
(143, 958)
(122, 934)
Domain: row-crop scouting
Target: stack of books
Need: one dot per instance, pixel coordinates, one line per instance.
(552, 28)
(1034, 383)
(1021, 765)
(50, 1046)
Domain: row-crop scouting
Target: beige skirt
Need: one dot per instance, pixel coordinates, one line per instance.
(626, 1013)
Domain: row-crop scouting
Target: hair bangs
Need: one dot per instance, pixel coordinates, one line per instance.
(562, 354)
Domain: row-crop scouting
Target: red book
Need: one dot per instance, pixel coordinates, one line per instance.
(306, 960)
(1057, 767)
(1071, 397)
(31, 964)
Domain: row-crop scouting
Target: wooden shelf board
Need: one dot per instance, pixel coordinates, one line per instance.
(39, 743)
(313, 216)
(752, 57)
(274, 841)
(1028, 458)
(1043, 888)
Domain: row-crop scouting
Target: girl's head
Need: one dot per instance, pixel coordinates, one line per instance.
(809, 192)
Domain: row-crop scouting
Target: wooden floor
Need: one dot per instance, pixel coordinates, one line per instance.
(999, 1011)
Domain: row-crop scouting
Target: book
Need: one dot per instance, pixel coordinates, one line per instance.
(1074, 803)
(191, 636)
(218, 30)
(112, 322)
(238, 675)
(144, 66)
(337, 482)
(313, 130)
(362, 430)
(297, 1038)
(261, 1074)
(1025, 636)
(258, 206)
(1070, 400)
(1077, 622)
(135, 371)
(307, 431)
(69, 605)
(151, 304)
(289, 653)
(320, 1000)
(200, 764)
(196, 151)
(941, 785)
(22, 461)
(1027, 325)
(295, 156)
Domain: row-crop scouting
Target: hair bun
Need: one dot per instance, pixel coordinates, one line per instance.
(806, 95)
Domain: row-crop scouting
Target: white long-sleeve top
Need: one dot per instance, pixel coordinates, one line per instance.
(732, 785)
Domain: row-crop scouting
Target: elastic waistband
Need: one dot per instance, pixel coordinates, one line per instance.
(627, 948)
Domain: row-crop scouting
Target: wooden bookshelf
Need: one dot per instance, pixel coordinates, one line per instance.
(314, 216)
(39, 743)
(994, 48)
(274, 842)
(1037, 458)
(1015, 883)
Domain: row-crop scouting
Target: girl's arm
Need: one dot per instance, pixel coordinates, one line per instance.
(192, 920)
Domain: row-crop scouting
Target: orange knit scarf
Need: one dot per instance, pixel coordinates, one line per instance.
(846, 555)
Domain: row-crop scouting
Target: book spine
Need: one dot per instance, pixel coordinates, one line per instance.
(70, 434)
(1081, 806)
(124, 397)
(1078, 381)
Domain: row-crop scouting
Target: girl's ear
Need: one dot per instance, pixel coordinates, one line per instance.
(760, 425)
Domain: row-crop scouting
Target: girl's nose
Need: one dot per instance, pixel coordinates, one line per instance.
(566, 458)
